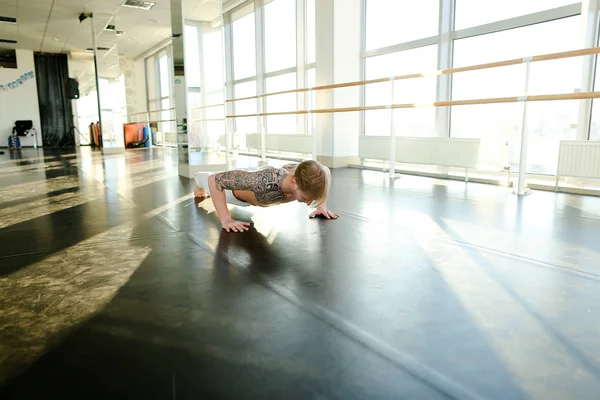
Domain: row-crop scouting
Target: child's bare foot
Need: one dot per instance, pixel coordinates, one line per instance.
(199, 192)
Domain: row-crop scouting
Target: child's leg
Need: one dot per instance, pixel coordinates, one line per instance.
(201, 189)
(199, 192)
(201, 184)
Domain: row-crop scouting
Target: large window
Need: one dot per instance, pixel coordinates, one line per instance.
(280, 55)
(214, 83)
(595, 120)
(408, 122)
(281, 103)
(193, 82)
(402, 37)
(205, 85)
(277, 22)
(392, 21)
(192, 56)
(246, 107)
(280, 35)
(409, 25)
(244, 47)
(311, 32)
(595, 117)
(159, 78)
(548, 122)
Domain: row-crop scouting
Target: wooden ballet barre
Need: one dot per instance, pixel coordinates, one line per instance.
(269, 94)
(505, 63)
(208, 119)
(335, 86)
(243, 98)
(493, 100)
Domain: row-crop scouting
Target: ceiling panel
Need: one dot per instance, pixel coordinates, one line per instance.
(143, 29)
(8, 31)
(8, 10)
(25, 9)
(26, 17)
(76, 4)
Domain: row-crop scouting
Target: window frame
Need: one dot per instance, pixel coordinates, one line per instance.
(155, 103)
(445, 41)
(261, 75)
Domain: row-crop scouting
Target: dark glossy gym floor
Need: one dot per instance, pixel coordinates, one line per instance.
(115, 283)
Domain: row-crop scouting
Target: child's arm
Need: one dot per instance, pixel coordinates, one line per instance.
(217, 184)
(322, 210)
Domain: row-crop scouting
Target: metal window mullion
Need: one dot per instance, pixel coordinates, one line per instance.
(260, 61)
(589, 21)
(290, 70)
(203, 124)
(244, 80)
(286, 71)
(171, 72)
(157, 73)
(147, 94)
(301, 49)
(363, 62)
(444, 61)
(229, 60)
(413, 44)
(520, 21)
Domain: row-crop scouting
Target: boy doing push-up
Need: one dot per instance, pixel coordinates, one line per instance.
(306, 182)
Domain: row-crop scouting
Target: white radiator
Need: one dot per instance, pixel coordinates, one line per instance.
(374, 147)
(579, 159)
(448, 152)
(274, 142)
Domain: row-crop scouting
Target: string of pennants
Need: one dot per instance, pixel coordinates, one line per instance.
(18, 82)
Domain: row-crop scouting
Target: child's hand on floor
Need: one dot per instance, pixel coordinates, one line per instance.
(322, 210)
(235, 226)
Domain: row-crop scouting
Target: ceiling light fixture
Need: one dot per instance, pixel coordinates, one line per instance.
(140, 4)
(8, 20)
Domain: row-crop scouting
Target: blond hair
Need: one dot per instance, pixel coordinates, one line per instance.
(314, 178)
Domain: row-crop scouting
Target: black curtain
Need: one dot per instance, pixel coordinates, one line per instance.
(52, 71)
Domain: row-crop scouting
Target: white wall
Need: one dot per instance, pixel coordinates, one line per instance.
(20, 103)
(346, 68)
(338, 61)
(325, 76)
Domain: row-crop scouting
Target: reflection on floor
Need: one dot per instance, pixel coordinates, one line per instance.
(115, 283)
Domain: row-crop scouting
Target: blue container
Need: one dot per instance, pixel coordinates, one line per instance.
(147, 135)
